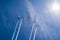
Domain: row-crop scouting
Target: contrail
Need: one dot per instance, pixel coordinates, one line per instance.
(35, 34)
(15, 30)
(18, 29)
(31, 32)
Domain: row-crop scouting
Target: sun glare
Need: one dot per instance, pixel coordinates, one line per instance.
(55, 7)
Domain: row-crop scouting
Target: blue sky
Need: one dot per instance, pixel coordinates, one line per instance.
(48, 23)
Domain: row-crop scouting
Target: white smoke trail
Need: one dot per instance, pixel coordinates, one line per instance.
(15, 30)
(35, 33)
(31, 32)
(39, 20)
(18, 29)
